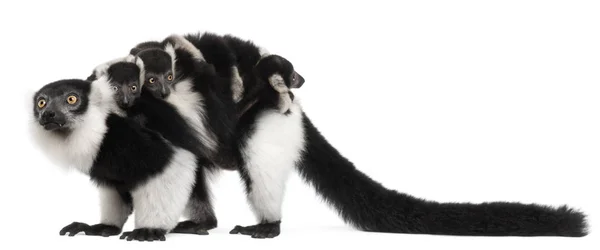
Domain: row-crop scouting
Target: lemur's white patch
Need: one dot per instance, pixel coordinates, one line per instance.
(271, 153)
(237, 84)
(276, 80)
(171, 51)
(161, 201)
(263, 52)
(285, 100)
(102, 69)
(179, 42)
(79, 149)
(113, 210)
(190, 105)
(140, 63)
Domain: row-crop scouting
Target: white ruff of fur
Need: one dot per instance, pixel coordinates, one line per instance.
(179, 42)
(190, 105)
(272, 152)
(161, 201)
(237, 84)
(285, 101)
(78, 150)
(113, 211)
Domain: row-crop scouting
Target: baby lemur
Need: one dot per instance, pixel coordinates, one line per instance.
(233, 58)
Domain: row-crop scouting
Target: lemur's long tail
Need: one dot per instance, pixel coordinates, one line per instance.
(369, 206)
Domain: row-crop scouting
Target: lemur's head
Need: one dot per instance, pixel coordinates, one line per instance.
(159, 70)
(125, 80)
(277, 70)
(58, 106)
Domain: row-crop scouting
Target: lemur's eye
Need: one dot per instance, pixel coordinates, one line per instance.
(170, 77)
(114, 88)
(151, 80)
(71, 99)
(41, 103)
(133, 88)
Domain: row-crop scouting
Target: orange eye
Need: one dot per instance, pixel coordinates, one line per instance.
(151, 80)
(41, 103)
(170, 77)
(71, 99)
(133, 88)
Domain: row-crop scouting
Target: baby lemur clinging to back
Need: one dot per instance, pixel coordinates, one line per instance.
(166, 65)
(167, 69)
(246, 65)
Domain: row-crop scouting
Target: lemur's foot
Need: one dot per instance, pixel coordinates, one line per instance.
(145, 234)
(103, 230)
(74, 228)
(190, 227)
(261, 231)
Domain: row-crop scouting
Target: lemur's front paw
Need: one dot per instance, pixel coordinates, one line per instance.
(145, 234)
(74, 228)
(103, 230)
(260, 231)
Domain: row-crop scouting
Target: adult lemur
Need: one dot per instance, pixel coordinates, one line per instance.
(167, 65)
(273, 143)
(78, 124)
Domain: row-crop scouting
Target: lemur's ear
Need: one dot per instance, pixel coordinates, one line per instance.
(135, 51)
(102, 69)
(170, 49)
(138, 61)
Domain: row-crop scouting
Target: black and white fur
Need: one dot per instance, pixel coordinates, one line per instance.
(206, 102)
(274, 144)
(271, 67)
(134, 167)
(236, 59)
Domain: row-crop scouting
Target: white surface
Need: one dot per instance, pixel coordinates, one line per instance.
(452, 101)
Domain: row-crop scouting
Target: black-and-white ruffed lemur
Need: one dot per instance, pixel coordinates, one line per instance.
(267, 77)
(135, 163)
(272, 144)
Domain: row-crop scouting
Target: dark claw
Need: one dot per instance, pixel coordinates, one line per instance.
(74, 228)
(145, 234)
(124, 235)
(260, 231)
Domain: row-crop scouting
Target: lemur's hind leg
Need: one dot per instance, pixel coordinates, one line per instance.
(161, 201)
(270, 154)
(199, 210)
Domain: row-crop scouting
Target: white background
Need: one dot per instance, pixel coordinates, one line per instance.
(465, 101)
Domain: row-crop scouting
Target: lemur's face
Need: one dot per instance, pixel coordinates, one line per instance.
(124, 78)
(275, 65)
(159, 72)
(58, 105)
(126, 92)
(159, 83)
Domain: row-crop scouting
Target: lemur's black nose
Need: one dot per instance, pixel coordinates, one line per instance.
(48, 114)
